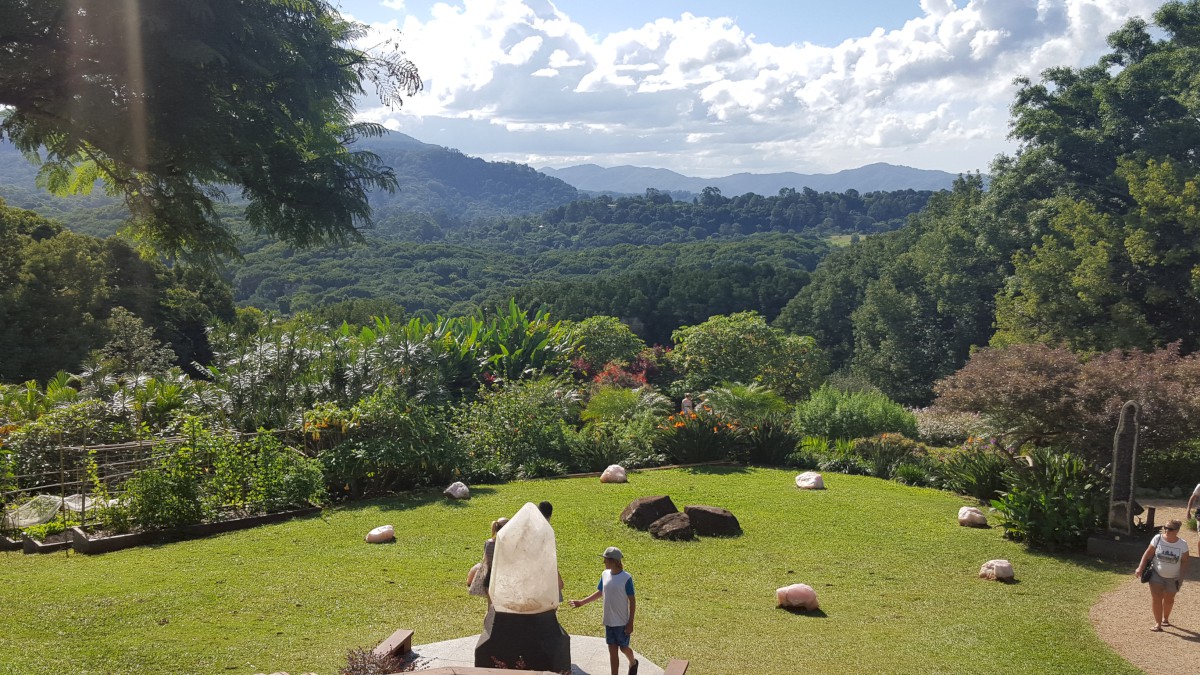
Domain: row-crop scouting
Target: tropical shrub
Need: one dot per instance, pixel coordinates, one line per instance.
(745, 403)
(769, 441)
(619, 424)
(89, 422)
(522, 423)
(915, 474)
(882, 453)
(386, 442)
(977, 469)
(1055, 503)
(700, 436)
(833, 413)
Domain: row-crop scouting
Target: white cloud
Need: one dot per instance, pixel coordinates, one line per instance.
(520, 80)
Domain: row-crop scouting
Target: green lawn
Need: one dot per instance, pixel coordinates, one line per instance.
(895, 574)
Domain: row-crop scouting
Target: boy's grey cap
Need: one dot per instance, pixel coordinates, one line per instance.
(613, 553)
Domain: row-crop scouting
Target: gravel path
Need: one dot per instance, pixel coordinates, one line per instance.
(1122, 617)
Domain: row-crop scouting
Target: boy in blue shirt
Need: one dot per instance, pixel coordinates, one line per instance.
(616, 587)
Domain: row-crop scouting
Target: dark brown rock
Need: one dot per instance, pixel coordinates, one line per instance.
(675, 526)
(643, 511)
(713, 521)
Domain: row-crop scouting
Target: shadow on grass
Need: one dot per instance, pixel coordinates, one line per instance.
(815, 614)
(410, 500)
(717, 470)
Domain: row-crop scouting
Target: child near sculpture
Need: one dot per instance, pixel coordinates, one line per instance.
(616, 587)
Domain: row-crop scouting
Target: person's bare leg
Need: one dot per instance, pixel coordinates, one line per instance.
(629, 655)
(614, 661)
(1168, 603)
(1156, 605)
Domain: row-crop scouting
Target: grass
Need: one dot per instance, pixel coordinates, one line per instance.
(842, 240)
(895, 574)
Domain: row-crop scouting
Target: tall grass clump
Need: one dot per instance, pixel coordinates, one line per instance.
(833, 413)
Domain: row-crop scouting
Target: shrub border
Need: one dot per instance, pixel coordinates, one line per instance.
(87, 544)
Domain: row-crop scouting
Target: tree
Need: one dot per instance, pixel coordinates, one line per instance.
(168, 102)
(742, 348)
(131, 348)
(602, 339)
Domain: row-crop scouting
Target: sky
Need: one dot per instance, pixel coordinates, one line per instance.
(710, 88)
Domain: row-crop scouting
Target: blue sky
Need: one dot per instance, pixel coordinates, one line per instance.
(711, 88)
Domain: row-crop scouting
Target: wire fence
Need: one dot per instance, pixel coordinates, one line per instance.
(76, 482)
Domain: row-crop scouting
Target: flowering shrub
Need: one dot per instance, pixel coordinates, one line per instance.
(700, 436)
(936, 426)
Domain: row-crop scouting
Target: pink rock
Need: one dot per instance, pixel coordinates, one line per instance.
(797, 596)
(810, 480)
(457, 490)
(997, 570)
(381, 534)
(969, 516)
(615, 473)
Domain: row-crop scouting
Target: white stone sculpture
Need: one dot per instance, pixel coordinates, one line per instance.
(997, 570)
(381, 535)
(969, 516)
(797, 596)
(525, 565)
(810, 480)
(457, 490)
(615, 473)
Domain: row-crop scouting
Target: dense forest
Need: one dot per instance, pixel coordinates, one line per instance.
(1086, 237)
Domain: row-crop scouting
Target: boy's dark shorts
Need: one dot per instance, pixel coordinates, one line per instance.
(616, 635)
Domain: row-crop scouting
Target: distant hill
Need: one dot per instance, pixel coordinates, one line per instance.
(432, 180)
(635, 180)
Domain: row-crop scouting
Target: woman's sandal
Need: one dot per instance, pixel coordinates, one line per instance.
(1156, 629)
(1166, 623)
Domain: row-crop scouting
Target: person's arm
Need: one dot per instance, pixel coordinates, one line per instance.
(1150, 550)
(1191, 501)
(1183, 564)
(632, 611)
(590, 598)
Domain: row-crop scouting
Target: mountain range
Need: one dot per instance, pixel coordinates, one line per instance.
(635, 180)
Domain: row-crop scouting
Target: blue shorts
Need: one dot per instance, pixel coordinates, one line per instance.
(616, 635)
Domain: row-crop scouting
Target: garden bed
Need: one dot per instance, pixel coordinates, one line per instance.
(7, 544)
(92, 543)
(51, 544)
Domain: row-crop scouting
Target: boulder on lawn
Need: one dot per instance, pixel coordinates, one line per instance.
(796, 596)
(712, 521)
(615, 473)
(673, 526)
(810, 480)
(457, 490)
(997, 570)
(381, 535)
(969, 516)
(643, 511)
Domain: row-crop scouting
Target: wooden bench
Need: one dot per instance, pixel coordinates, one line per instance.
(399, 644)
(676, 667)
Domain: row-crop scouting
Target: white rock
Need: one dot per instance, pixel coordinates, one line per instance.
(525, 565)
(797, 596)
(381, 534)
(810, 480)
(969, 516)
(996, 570)
(457, 490)
(615, 473)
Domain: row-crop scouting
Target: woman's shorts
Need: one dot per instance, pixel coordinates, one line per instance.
(616, 635)
(1169, 585)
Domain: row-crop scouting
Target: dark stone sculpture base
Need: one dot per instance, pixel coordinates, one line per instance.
(526, 641)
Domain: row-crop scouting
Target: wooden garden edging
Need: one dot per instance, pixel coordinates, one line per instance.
(82, 542)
